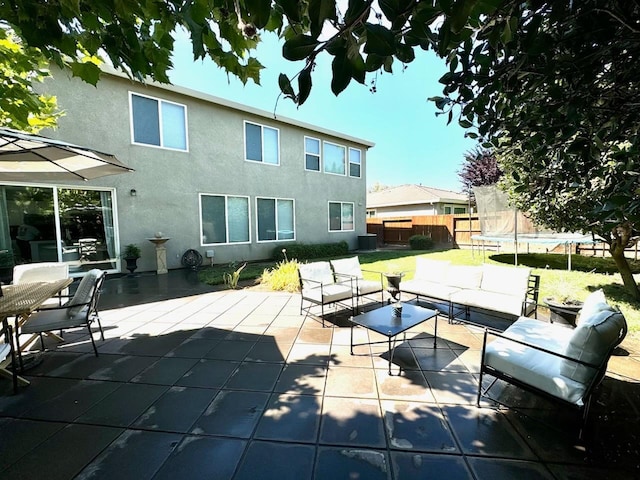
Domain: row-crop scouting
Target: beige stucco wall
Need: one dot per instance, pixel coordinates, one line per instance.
(168, 182)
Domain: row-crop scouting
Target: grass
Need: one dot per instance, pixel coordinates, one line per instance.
(587, 274)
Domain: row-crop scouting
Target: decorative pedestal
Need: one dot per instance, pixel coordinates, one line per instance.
(563, 313)
(161, 253)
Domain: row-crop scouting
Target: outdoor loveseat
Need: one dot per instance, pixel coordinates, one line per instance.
(501, 289)
(550, 359)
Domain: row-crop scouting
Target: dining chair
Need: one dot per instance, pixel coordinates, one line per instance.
(42, 272)
(80, 311)
(7, 356)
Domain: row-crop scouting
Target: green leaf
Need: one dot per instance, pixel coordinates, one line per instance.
(304, 84)
(291, 9)
(259, 12)
(341, 69)
(355, 9)
(89, 72)
(405, 53)
(379, 40)
(319, 11)
(390, 8)
(373, 62)
(285, 86)
(299, 47)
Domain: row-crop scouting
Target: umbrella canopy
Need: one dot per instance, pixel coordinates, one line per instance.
(27, 157)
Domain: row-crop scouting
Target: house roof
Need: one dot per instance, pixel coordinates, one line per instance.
(413, 195)
(238, 106)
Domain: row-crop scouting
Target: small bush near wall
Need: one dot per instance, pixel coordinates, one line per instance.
(302, 251)
(282, 277)
(420, 242)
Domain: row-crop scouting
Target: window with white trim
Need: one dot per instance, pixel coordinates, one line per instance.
(224, 219)
(275, 219)
(158, 122)
(261, 143)
(341, 216)
(334, 158)
(311, 154)
(355, 162)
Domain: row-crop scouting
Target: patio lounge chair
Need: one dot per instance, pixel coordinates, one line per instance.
(319, 285)
(81, 310)
(350, 267)
(557, 362)
(42, 272)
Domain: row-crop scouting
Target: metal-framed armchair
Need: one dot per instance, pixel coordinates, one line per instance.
(81, 310)
(7, 355)
(320, 286)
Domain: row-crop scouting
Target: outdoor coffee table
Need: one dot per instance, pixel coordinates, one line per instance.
(382, 321)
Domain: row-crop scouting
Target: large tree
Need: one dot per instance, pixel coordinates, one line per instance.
(480, 167)
(551, 85)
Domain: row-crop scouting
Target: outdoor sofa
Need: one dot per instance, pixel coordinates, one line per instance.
(495, 288)
(553, 360)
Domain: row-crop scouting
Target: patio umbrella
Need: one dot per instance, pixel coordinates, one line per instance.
(27, 157)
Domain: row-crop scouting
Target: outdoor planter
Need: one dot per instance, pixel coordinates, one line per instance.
(563, 312)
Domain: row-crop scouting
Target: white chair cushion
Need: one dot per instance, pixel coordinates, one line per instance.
(508, 280)
(5, 349)
(319, 272)
(464, 276)
(538, 369)
(498, 302)
(428, 289)
(83, 292)
(327, 294)
(590, 342)
(431, 270)
(347, 266)
(48, 320)
(366, 287)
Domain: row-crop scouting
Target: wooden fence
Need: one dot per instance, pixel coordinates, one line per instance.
(452, 230)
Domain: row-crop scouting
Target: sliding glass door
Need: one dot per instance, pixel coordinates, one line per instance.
(45, 224)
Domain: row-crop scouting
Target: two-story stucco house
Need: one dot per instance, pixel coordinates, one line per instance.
(210, 174)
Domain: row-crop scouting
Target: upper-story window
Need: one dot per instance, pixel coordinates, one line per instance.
(262, 144)
(355, 162)
(335, 157)
(311, 154)
(224, 219)
(341, 216)
(158, 122)
(275, 219)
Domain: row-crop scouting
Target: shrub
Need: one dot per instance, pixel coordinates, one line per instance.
(302, 251)
(282, 277)
(420, 242)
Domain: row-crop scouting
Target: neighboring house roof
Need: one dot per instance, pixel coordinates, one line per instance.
(413, 195)
(238, 106)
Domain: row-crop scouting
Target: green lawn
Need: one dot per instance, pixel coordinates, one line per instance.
(588, 273)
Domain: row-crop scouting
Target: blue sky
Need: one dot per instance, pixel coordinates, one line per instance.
(412, 144)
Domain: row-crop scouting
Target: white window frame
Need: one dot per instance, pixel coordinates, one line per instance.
(342, 229)
(159, 100)
(277, 229)
(306, 137)
(359, 162)
(324, 163)
(262, 127)
(226, 226)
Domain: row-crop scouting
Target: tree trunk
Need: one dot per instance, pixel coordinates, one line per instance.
(620, 238)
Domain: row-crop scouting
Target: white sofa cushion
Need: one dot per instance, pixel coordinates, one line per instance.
(365, 287)
(347, 266)
(464, 276)
(431, 270)
(498, 302)
(428, 289)
(507, 280)
(538, 369)
(314, 273)
(590, 342)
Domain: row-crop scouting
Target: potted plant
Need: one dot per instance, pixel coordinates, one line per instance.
(563, 305)
(131, 254)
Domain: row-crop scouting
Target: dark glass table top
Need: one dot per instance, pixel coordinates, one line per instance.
(383, 321)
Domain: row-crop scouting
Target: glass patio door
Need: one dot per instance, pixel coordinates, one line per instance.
(48, 224)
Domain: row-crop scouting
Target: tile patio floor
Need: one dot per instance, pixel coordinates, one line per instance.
(237, 385)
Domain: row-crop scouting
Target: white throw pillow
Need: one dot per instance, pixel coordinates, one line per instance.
(593, 304)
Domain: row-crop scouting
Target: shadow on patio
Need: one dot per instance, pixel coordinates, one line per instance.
(236, 384)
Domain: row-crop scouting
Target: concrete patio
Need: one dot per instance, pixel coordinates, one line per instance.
(197, 383)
